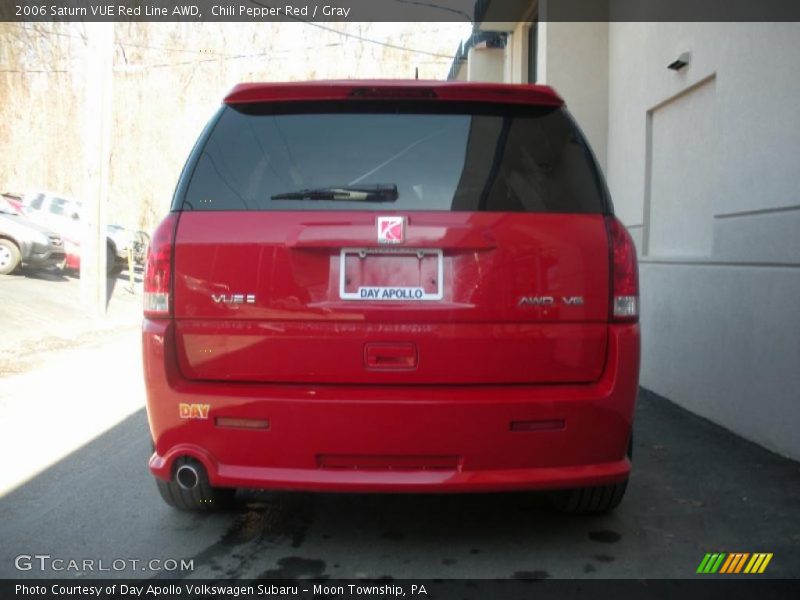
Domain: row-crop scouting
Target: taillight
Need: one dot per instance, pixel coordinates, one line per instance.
(158, 269)
(624, 272)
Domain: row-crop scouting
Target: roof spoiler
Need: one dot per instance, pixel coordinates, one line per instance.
(454, 91)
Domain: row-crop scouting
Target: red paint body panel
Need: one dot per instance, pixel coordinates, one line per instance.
(424, 425)
(452, 91)
(299, 330)
(333, 352)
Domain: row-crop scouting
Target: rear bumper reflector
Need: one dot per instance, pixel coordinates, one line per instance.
(242, 423)
(549, 425)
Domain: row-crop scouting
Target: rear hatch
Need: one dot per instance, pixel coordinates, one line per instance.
(384, 240)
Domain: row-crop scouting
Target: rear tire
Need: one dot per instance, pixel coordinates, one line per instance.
(9, 256)
(594, 500)
(202, 497)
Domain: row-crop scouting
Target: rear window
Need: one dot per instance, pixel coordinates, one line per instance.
(393, 156)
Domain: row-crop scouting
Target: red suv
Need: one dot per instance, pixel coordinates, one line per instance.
(391, 286)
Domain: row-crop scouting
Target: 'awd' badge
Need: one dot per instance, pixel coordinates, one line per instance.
(391, 230)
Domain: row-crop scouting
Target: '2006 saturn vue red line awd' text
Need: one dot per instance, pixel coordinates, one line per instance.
(391, 286)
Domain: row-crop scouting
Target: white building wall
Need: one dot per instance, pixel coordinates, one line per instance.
(516, 58)
(485, 64)
(573, 59)
(703, 167)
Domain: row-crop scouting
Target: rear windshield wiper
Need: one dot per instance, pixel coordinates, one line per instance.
(352, 193)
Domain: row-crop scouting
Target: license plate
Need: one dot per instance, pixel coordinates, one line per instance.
(390, 274)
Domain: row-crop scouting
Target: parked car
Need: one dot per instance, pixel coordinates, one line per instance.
(391, 287)
(63, 215)
(23, 242)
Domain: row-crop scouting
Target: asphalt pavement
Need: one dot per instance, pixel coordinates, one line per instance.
(75, 486)
(42, 310)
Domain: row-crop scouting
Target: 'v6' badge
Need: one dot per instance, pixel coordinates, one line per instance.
(391, 230)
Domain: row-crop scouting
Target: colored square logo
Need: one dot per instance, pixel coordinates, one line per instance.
(391, 230)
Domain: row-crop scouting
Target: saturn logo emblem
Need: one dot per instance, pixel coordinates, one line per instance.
(391, 230)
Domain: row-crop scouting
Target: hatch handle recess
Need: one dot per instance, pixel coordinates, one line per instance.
(379, 356)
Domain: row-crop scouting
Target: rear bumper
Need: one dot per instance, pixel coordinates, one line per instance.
(397, 438)
(47, 256)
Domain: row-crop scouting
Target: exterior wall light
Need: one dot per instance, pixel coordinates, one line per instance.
(682, 61)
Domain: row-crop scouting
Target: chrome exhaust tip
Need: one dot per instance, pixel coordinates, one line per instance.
(187, 477)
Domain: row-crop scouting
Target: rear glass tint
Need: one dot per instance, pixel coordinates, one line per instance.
(467, 157)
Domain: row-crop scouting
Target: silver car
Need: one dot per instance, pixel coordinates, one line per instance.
(24, 242)
(62, 215)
